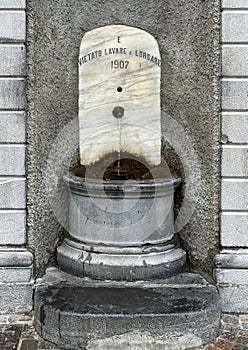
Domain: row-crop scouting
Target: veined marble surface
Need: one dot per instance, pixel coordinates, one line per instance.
(119, 66)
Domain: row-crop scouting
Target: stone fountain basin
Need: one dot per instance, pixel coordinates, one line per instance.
(121, 230)
(121, 213)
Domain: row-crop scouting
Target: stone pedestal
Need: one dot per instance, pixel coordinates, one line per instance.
(121, 230)
(180, 312)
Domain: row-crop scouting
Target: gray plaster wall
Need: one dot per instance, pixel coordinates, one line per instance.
(188, 35)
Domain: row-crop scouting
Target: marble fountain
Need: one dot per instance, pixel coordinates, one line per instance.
(121, 281)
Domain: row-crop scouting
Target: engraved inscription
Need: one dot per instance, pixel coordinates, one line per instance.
(87, 57)
(119, 64)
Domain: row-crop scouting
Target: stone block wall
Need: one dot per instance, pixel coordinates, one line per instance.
(232, 263)
(15, 261)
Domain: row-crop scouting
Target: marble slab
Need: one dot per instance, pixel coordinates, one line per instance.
(119, 94)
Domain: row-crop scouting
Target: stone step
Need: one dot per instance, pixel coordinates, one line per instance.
(180, 312)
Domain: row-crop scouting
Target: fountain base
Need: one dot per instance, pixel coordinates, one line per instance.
(130, 263)
(181, 312)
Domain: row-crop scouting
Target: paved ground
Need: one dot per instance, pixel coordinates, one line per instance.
(233, 333)
(17, 333)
